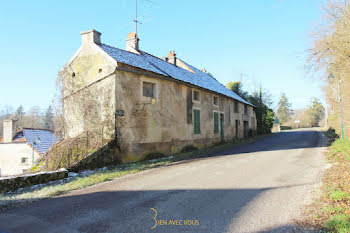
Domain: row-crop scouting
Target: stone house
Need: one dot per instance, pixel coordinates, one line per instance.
(149, 104)
(20, 149)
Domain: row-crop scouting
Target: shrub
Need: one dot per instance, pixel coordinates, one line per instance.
(154, 155)
(189, 148)
(331, 134)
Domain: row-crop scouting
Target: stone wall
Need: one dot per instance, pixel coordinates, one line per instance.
(106, 155)
(88, 94)
(14, 183)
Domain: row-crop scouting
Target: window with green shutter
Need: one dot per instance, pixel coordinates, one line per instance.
(216, 122)
(197, 121)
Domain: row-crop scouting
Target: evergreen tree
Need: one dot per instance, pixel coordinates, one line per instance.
(264, 116)
(316, 112)
(20, 114)
(20, 111)
(49, 118)
(284, 111)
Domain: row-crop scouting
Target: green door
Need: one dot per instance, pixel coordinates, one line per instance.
(222, 134)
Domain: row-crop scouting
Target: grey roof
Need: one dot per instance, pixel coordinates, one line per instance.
(154, 64)
(46, 138)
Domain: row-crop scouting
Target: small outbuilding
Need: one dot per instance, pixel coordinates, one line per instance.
(21, 148)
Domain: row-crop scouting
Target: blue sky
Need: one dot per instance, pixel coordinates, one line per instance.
(266, 41)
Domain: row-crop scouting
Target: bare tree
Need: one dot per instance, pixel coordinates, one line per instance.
(330, 54)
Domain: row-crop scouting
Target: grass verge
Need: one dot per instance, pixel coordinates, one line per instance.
(331, 212)
(37, 192)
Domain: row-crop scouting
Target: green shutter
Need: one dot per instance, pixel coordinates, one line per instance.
(196, 121)
(216, 122)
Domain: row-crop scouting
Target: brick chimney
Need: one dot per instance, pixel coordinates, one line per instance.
(171, 57)
(90, 37)
(9, 130)
(132, 42)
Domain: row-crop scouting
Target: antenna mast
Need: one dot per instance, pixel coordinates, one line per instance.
(135, 20)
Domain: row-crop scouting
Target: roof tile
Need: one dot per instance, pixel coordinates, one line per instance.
(45, 138)
(154, 64)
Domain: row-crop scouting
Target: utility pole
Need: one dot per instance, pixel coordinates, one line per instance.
(331, 77)
(341, 109)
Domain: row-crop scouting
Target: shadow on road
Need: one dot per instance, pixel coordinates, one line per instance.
(288, 140)
(130, 211)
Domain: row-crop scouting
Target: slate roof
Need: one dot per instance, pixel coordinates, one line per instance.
(154, 64)
(47, 138)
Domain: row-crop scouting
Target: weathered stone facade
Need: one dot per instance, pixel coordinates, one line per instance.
(143, 125)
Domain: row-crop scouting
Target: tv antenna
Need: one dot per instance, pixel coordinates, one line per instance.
(136, 20)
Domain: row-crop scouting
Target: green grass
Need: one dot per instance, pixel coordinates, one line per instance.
(336, 188)
(339, 222)
(340, 148)
(337, 195)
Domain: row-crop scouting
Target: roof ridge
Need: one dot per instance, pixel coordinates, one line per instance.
(152, 63)
(168, 63)
(118, 48)
(28, 128)
(215, 80)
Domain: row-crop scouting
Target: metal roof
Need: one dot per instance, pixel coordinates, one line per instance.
(154, 64)
(46, 137)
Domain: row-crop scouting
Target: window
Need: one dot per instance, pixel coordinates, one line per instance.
(149, 89)
(216, 122)
(24, 160)
(197, 121)
(236, 107)
(216, 100)
(196, 96)
(245, 109)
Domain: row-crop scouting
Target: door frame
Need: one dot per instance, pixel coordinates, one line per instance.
(236, 128)
(222, 131)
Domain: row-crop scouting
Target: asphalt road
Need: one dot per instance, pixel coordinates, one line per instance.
(258, 187)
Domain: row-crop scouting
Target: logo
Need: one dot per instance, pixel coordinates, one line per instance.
(155, 218)
(172, 222)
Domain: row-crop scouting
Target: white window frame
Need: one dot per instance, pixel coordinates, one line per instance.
(155, 91)
(199, 94)
(234, 108)
(216, 105)
(26, 161)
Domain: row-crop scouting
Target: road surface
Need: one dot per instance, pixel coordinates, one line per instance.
(258, 187)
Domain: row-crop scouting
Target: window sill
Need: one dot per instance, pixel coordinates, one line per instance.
(147, 100)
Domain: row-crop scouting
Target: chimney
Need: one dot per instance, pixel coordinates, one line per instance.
(132, 43)
(90, 37)
(9, 131)
(172, 57)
